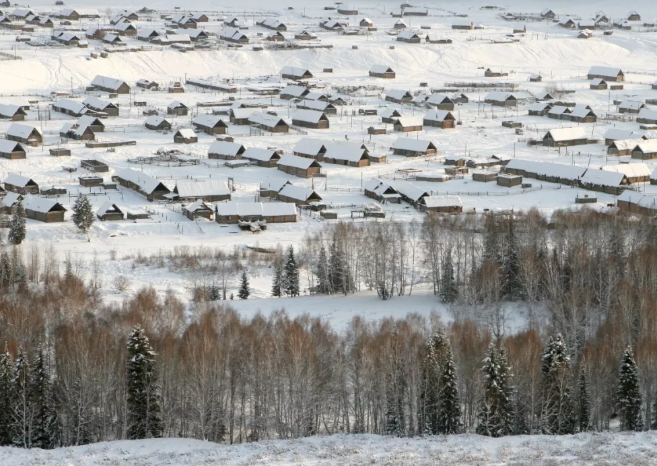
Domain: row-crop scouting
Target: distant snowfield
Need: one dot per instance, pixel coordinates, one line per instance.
(354, 450)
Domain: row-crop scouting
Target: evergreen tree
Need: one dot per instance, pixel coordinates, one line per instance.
(17, 229)
(449, 415)
(496, 417)
(45, 423)
(628, 394)
(339, 272)
(492, 251)
(323, 273)
(22, 406)
(143, 399)
(584, 400)
(511, 284)
(83, 215)
(7, 277)
(243, 292)
(291, 274)
(6, 399)
(448, 290)
(276, 287)
(557, 412)
(434, 360)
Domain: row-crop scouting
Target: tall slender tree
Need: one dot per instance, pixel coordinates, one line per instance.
(45, 430)
(448, 289)
(449, 415)
(143, 397)
(244, 292)
(432, 367)
(557, 417)
(277, 281)
(496, 415)
(83, 215)
(323, 272)
(17, 228)
(22, 403)
(584, 399)
(6, 399)
(628, 393)
(291, 274)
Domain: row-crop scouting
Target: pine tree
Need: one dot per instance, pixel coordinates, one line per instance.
(83, 215)
(492, 251)
(17, 228)
(628, 394)
(448, 290)
(558, 417)
(323, 273)
(584, 400)
(143, 399)
(434, 360)
(511, 284)
(22, 406)
(339, 272)
(496, 417)
(449, 415)
(243, 292)
(45, 423)
(6, 399)
(291, 274)
(7, 270)
(276, 287)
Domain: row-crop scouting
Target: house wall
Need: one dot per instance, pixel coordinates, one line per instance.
(383, 75)
(13, 155)
(322, 124)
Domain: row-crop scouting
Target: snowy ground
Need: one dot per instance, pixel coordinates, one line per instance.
(459, 450)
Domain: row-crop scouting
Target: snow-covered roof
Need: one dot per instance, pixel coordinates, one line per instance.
(567, 134)
(155, 120)
(201, 188)
(609, 71)
(437, 99)
(408, 34)
(318, 105)
(107, 206)
(257, 153)
(549, 169)
(602, 178)
(409, 190)
(310, 146)
(176, 104)
(628, 144)
(617, 133)
(9, 110)
(631, 105)
(95, 102)
(186, 133)
(381, 69)
(265, 119)
(347, 151)
(106, 82)
(147, 33)
(500, 96)
(199, 205)
(294, 90)
(643, 200)
(10, 198)
(17, 180)
(398, 94)
(208, 120)
(648, 114)
(389, 112)
(297, 162)
(647, 147)
(248, 209)
(538, 106)
(7, 146)
(416, 145)
(631, 170)
(21, 131)
(274, 184)
(310, 116)
(71, 105)
(40, 204)
(598, 81)
(442, 201)
(146, 182)
(225, 148)
(581, 112)
(407, 121)
(437, 115)
(295, 71)
(296, 192)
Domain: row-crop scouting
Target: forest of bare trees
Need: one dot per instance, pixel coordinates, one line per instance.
(586, 283)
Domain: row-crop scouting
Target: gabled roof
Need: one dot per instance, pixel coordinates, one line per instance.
(438, 115)
(107, 207)
(21, 131)
(295, 71)
(437, 99)
(146, 183)
(201, 188)
(9, 110)
(225, 148)
(176, 104)
(310, 146)
(209, 120)
(41, 204)
(294, 90)
(647, 114)
(500, 96)
(256, 209)
(106, 82)
(347, 151)
(416, 145)
(610, 71)
(17, 180)
(71, 106)
(257, 153)
(616, 133)
(406, 121)
(602, 177)
(409, 190)
(389, 112)
(310, 116)
(567, 134)
(96, 103)
(631, 105)
(186, 133)
(398, 94)
(442, 201)
(155, 120)
(266, 119)
(581, 112)
(647, 147)
(7, 146)
(297, 192)
(549, 169)
(381, 69)
(631, 170)
(294, 161)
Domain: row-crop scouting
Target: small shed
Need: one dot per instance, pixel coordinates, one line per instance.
(224, 150)
(382, 71)
(12, 150)
(20, 184)
(43, 209)
(198, 209)
(109, 212)
(507, 180)
(185, 136)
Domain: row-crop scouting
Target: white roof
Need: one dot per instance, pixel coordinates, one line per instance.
(294, 90)
(643, 200)
(95, 102)
(381, 69)
(107, 205)
(201, 188)
(274, 185)
(39, 204)
(559, 110)
(155, 120)
(257, 153)
(537, 107)
(186, 133)
(631, 104)
(398, 94)
(500, 96)
(146, 182)
(625, 144)
(318, 105)
(310, 116)
(225, 148)
(241, 113)
(608, 71)
(348, 151)
(245, 209)
(549, 169)
(581, 112)
(437, 99)
(389, 112)
(416, 145)
(437, 115)
(631, 170)
(17, 180)
(568, 134)
(649, 146)
(71, 106)
(207, 119)
(406, 121)
(310, 146)
(145, 33)
(296, 162)
(10, 199)
(602, 177)
(296, 192)
(21, 131)
(176, 104)
(647, 114)
(616, 133)
(597, 81)
(409, 190)
(199, 205)
(7, 146)
(314, 95)
(9, 110)
(294, 71)
(408, 34)
(442, 201)
(265, 119)
(109, 83)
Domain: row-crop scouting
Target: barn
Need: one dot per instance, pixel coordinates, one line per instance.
(25, 134)
(319, 106)
(440, 101)
(310, 119)
(185, 136)
(441, 204)
(210, 124)
(12, 112)
(11, 150)
(295, 73)
(642, 149)
(226, 150)
(347, 153)
(267, 158)
(562, 137)
(102, 106)
(293, 91)
(269, 122)
(144, 184)
(157, 123)
(198, 209)
(501, 99)
(70, 107)
(407, 124)
(631, 106)
(270, 212)
(208, 190)
(645, 116)
(398, 96)
(112, 85)
(20, 184)
(409, 147)
(382, 71)
(608, 73)
(177, 108)
(598, 84)
(299, 166)
(388, 115)
(410, 37)
(43, 210)
(439, 119)
(310, 148)
(583, 114)
(298, 195)
(381, 191)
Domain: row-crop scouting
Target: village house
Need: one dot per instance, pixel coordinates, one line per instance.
(197, 35)
(562, 137)
(463, 25)
(585, 34)
(101, 106)
(582, 114)
(546, 171)
(20, 184)
(267, 158)
(115, 86)
(647, 116)
(185, 136)
(407, 124)
(535, 78)
(547, 14)
(409, 192)
(319, 106)
(334, 24)
(272, 23)
(409, 147)
(147, 34)
(157, 123)
(447, 204)
(501, 99)
(25, 134)
(382, 71)
(366, 23)
(439, 119)
(298, 195)
(310, 148)
(240, 116)
(198, 209)
(568, 23)
(271, 187)
(75, 14)
(643, 150)
(224, 150)
(146, 84)
(293, 91)
(70, 107)
(200, 17)
(43, 210)
(409, 37)
(559, 112)
(539, 109)
(347, 10)
(633, 16)
(615, 134)
(275, 36)
(437, 39)
(310, 119)
(142, 183)
(607, 73)
(299, 166)
(77, 132)
(208, 190)
(381, 191)
(637, 203)
(109, 212)
(347, 153)
(440, 102)
(233, 22)
(269, 122)
(609, 182)
(630, 106)
(12, 150)
(623, 147)
(388, 115)
(177, 108)
(210, 124)
(598, 85)
(271, 212)
(305, 35)
(494, 74)
(233, 35)
(295, 73)
(398, 96)
(12, 112)
(66, 38)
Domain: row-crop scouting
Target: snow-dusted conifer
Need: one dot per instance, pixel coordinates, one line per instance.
(17, 229)
(496, 416)
(45, 431)
(557, 417)
(83, 215)
(21, 400)
(448, 290)
(291, 279)
(244, 292)
(276, 286)
(449, 414)
(584, 400)
(6, 399)
(628, 393)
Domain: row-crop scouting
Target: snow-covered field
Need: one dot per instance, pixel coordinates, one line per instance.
(636, 449)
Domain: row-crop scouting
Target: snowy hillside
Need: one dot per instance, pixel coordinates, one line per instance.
(357, 450)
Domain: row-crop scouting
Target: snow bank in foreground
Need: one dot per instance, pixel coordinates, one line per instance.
(583, 449)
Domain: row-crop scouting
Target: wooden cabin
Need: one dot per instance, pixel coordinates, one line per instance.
(299, 166)
(109, 212)
(185, 136)
(210, 124)
(43, 209)
(310, 119)
(12, 150)
(142, 183)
